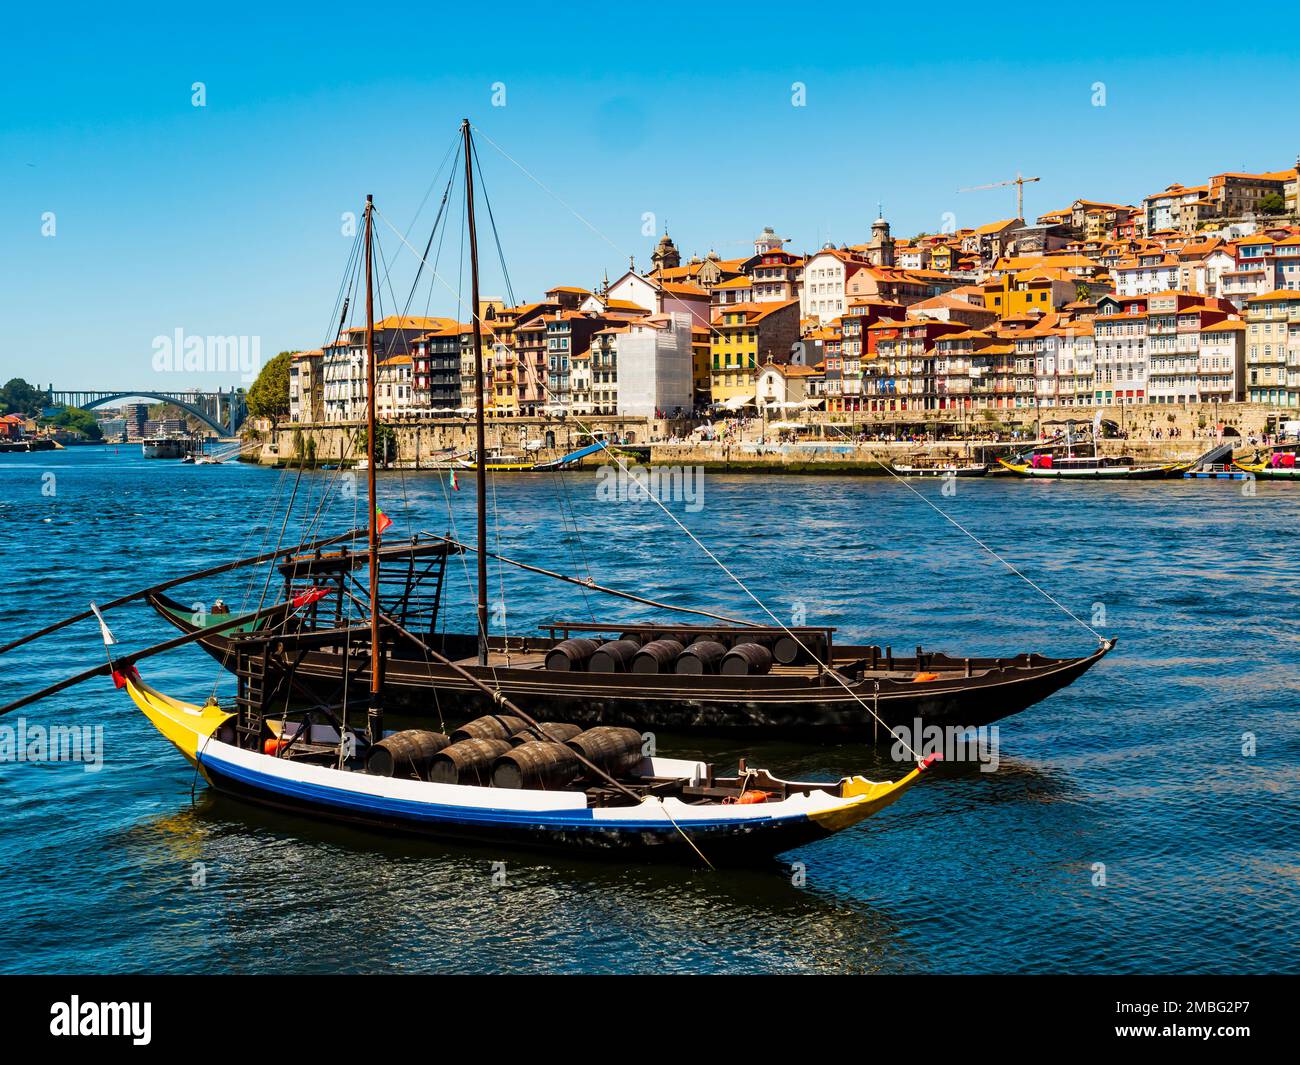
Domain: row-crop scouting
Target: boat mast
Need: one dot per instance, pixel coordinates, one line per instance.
(374, 713)
(480, 464)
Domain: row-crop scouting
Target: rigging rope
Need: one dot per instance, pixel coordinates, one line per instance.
(540, 184)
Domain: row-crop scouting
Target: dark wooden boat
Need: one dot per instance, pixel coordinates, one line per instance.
(820, 696)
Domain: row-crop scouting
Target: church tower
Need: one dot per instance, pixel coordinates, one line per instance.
(666, 256)
(880, 249)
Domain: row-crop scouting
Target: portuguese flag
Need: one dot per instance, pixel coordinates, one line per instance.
(455, 484)
(382, 521)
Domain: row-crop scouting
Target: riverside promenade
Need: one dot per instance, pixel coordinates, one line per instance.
(815, 442)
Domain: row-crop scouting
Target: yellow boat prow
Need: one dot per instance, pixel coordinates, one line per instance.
(187, 726)
(870, 796)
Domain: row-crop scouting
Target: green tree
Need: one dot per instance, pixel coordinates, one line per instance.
(1272, 204)
(19, 397)
(83, 421)
(269, 396)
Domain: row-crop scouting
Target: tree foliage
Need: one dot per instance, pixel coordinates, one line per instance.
(269, 395)
(81, 420)
(19, 397)
(1273, 203)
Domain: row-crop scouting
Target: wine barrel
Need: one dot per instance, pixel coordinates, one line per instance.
(657, 656)
(406, 754)
(489, 727)
(570, 655)
(467, 762)
(554, 731)
(615, 750)
(746, 660)
(613, 657)
(787, 649)
(703, 656)
(538, 764)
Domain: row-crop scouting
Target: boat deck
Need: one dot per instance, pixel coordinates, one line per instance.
(537, 660)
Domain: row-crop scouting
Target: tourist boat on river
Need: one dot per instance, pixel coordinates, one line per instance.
(1084, 467)
(498, 780)
(167, 447)
(939, 469)
(1277, 463)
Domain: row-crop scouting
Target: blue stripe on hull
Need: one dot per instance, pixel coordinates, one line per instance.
(384, 807)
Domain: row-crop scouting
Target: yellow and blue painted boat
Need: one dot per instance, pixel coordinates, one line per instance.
(674, 809)
(1270, 466)
(1090, 468)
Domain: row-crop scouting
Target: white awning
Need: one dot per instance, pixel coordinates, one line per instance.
(736, 402)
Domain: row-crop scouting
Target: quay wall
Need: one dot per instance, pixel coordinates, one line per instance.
(752, 444)
(837, 457)
(418, 443)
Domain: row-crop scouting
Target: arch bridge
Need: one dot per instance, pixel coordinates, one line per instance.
(222, 411)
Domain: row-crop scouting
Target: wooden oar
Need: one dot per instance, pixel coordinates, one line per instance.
(195, 576)
(126, 660)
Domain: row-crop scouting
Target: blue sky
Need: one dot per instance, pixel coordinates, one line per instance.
(225, 219)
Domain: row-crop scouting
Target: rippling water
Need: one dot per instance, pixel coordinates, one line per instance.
(1138, 767)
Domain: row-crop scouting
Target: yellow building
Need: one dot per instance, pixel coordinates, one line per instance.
(746, 335)
(1043, 288)
(701, 364)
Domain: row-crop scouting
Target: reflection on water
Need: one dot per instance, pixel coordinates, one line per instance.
(1124, 828)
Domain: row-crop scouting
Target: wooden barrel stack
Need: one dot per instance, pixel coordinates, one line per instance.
(407, 754)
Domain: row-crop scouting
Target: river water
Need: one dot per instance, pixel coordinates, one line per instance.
(1145, 819)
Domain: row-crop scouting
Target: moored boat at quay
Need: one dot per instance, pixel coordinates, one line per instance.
(1092, 467)
(1274, 464)
(167, 447)
(502, 780)
(794, 683)
(939, 468)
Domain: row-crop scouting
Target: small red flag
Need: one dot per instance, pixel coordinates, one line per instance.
(382, 521)
(308, 596)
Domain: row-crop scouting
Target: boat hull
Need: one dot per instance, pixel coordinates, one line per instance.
(653, 828)
(934, 471)
(720, 843)
(1270, 473)
(802, 708)
(1102, 473)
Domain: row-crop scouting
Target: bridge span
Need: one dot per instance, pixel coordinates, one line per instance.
(222, 411)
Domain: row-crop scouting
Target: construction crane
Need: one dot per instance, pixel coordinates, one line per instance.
(1018, 181)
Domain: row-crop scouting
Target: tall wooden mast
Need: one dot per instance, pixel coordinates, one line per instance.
(480, 464)
(375, 712)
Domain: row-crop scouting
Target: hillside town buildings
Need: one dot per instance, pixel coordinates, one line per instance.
(1190, 295)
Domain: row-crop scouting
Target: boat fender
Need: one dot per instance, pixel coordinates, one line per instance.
(274, 746)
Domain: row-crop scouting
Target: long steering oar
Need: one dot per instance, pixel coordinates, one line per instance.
(125, 660)
(225, 567)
